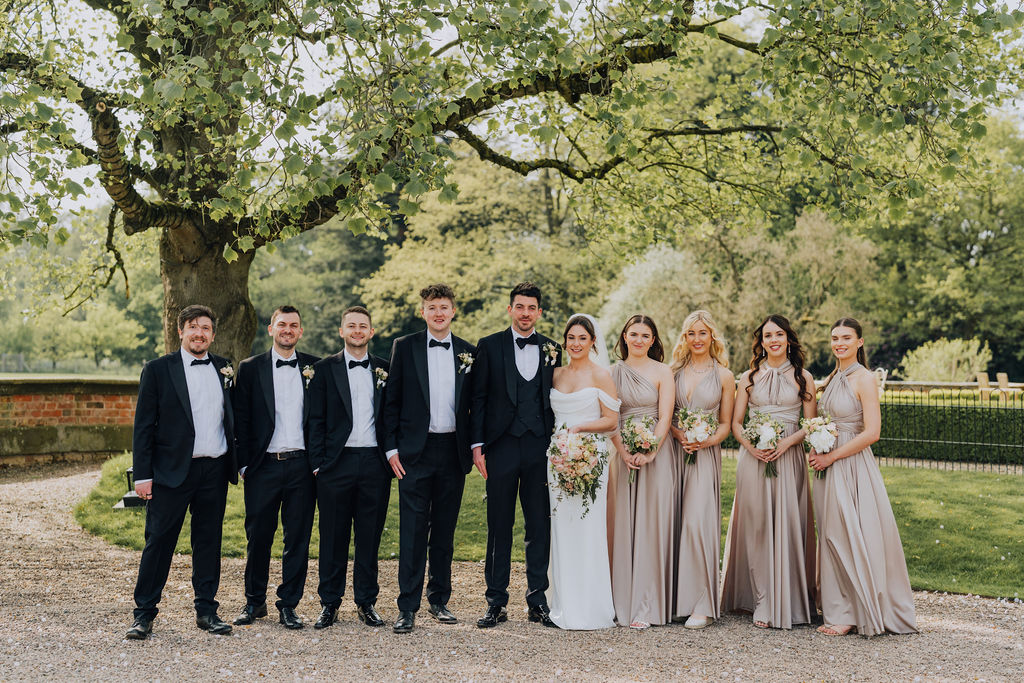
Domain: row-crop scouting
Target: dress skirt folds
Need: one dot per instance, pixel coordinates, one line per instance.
(699, 524)
(640, 516)
(863, 571)
(769, 548)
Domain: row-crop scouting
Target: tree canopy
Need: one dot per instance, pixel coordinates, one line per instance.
(228, 127)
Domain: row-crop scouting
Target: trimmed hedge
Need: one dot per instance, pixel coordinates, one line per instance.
(957, 433)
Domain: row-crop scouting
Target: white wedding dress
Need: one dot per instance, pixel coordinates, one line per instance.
(579, 574)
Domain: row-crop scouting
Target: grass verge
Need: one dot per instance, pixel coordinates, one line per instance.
(960, 530)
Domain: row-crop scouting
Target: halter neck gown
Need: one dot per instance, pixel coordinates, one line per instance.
(769, 548)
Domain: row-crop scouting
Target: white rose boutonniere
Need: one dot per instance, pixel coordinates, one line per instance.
(466, 358)
(382, 377)
(308, 372)
(550, 351)
(229, 374)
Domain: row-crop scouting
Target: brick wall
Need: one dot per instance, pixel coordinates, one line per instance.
(46, 418)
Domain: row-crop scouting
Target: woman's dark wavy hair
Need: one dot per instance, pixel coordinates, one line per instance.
(657, 350)
(862, 355)
(794, 352)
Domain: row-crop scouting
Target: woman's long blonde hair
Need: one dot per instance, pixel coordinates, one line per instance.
(681, 352)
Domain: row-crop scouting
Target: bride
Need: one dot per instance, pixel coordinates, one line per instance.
(583, 399)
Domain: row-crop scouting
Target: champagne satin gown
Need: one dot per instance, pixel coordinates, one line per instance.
(769, 548)
(699, 525)
(640, 516)
(864, 578)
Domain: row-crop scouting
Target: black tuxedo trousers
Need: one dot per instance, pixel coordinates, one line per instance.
(204, 491)
(286, 486)
(352, 494)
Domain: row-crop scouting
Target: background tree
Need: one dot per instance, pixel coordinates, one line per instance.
(229, 127)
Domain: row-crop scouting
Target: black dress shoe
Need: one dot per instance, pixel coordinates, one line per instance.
(368, 615)
(140, 629)
(404, 622)
(289, 618)
(328, 615)
(492, 617)
(442, 615)
(250, 613)
(541, 614)
(213, 624)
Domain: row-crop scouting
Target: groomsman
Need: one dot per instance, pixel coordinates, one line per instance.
(512, 425)
(426, 417)
(270, 420)
(183, 459)
(353, 481)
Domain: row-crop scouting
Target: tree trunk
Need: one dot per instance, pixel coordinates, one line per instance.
(195, 272)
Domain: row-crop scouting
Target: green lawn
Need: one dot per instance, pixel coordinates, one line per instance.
(961, 530)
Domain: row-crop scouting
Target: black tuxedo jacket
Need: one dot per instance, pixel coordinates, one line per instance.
(494, 385)
(253, 401)
(164, 434)
(330, 409)
(407, 399)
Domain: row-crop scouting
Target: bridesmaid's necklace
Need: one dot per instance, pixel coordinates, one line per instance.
(696, 371)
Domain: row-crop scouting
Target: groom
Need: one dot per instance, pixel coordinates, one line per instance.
(512, 423)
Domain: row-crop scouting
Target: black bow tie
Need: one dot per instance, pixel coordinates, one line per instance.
(434, 342)
(364, 363)
(202, 361)
(293, 363)
(523, 341)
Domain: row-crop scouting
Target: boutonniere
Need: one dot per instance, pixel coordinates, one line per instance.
(229, 374)
(466, 358)
(308, 372)
(550, 351)
(382, 377)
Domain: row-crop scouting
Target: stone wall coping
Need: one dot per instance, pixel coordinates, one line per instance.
(14, 384)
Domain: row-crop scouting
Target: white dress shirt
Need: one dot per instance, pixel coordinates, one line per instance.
(288, 400)
(360, 385)
(206, 397)
(528, 357)
(441, 383)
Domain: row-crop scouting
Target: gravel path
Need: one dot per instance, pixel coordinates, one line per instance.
(65, 603)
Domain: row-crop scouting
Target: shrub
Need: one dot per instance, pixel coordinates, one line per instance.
(946, 360)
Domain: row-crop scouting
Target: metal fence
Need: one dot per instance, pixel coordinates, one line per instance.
(953, 426)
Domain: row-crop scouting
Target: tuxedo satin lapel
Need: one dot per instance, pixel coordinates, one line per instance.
(303, 362)
(340, 372)
(543, 369)
(376, 389)
(180, 385)
(419, 359)
(266, 380)
(460, 375)
(511, 371)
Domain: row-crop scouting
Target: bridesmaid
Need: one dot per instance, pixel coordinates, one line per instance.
(769, 548)
(864, 582)
(640, 512)
(703, 382)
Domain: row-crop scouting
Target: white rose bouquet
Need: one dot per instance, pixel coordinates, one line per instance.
(577, 461)
(697, 425)
(764, 432)
(821, 437)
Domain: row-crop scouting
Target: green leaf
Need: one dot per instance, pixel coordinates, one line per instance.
(43, 111)
(294, 164)
(383, 183)
(356, 225)
(229, 254)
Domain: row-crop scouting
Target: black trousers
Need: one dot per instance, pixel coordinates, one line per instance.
(517, 465)
(352, 493)
(273, 487)
(203, 493)
(430, 496)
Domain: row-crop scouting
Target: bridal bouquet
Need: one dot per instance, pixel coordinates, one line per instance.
(822, 433)
(764, 432)
(638, 438)
(697, 425)
(577, 461)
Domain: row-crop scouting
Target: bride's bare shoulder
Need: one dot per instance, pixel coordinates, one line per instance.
(603, 380)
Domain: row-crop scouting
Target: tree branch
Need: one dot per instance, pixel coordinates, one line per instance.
(33, 70)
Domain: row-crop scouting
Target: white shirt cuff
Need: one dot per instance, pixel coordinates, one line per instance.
(142, 481)
(476, 445)
(242, 471)
(392, 453)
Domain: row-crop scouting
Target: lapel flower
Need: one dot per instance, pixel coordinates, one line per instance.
(466, 358)
(229, 374)
(382, 377)
(307, 372)
(550, 351)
